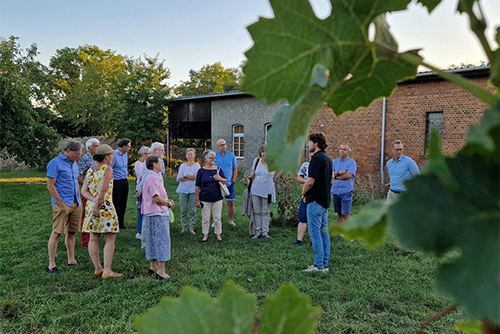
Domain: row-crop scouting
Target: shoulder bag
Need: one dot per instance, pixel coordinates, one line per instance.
(223, 188)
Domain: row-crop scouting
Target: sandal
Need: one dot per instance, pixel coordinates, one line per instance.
(112, 275)
(98, 272)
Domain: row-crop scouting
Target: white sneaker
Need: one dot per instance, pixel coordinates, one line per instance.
(212, 226)
(324, 270)
(138, 236)
(232, 223)
(311, 269)
(255, 237)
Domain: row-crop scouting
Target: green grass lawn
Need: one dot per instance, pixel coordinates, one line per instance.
(365, 291)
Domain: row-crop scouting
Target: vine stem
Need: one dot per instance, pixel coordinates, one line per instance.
(436, 316)
(413, 59)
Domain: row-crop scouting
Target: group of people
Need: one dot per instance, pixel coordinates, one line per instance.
(321, 177)
(102, 174)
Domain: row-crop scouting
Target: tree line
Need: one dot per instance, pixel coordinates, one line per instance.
(87, 91)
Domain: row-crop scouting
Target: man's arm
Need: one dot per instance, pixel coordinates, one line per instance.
(51, 186)
(235, 174)
(413, 168)
(343, 175)
(308, 185)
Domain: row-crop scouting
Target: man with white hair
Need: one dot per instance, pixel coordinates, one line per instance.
(84, 164)
(227, 162)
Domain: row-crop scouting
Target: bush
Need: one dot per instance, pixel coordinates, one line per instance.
(288, 193)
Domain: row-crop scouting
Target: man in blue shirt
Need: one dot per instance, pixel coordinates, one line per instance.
(227, 162)
(344, 171)
(400, 168)
(62, 183)
(120, 182)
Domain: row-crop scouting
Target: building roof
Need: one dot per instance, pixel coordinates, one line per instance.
(468, 71)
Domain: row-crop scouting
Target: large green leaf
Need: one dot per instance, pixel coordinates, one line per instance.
(308, 61)
(196, 313)
(484, 137)
(280, 64)
(470, 327)
(435, 217)
(288, 312)
(369, 226)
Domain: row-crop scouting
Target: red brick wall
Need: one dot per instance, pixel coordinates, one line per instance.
(405, 120)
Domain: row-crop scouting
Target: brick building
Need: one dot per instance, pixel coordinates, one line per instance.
(410, 112)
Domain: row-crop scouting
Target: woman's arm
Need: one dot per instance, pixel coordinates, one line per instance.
(197, 196)
(85, 191)
(163, 202)
(108, 176)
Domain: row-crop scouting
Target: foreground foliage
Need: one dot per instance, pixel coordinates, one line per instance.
(234, 311)
(455, 203)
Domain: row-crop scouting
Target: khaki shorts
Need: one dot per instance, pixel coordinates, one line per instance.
(66, 219)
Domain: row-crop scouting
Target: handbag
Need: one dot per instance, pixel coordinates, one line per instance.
(249, 180)
(223, 188)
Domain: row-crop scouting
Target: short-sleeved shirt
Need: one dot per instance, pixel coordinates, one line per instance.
(344, 186)
(85, 163)
(227, 162)
(320, 169)
(153, 186)
(263, 183)
(119, 165)
(303, 170)
(209, 187)
(401, 170)
(65, 173)
(186, 187)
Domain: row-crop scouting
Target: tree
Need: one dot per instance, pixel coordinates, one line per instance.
(141, 100)
(210, 79)
(25, 105)
(84, 79)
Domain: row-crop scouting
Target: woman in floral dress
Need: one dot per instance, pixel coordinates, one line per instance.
(100, 213)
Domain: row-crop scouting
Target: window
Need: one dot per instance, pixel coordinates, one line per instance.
(433, 120)
(267, 128)
(239, 141)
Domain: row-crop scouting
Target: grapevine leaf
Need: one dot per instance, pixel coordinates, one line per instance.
(290, 129)
(470, 327)
(197, 312)
(369, 226)
(287, 48)
(436, 162)
(484, 137)
(435, 217)
(430, 4)
(288, 312)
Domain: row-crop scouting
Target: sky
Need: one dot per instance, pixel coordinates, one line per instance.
(188, 34)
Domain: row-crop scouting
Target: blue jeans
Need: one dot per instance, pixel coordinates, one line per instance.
(317, 223)
(138, 202)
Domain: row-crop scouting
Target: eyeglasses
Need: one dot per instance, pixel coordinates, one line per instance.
(397, 149)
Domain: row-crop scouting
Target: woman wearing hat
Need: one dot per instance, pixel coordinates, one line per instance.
(100, 213)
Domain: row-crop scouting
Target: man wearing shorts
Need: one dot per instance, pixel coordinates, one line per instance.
(344, 171)
(62, 183)
(227, 162)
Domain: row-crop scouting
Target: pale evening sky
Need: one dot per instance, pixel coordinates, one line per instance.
(188, 34)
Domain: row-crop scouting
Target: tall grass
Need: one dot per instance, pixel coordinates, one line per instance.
(365, 291)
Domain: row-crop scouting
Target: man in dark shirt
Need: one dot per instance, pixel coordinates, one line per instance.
(316, 193)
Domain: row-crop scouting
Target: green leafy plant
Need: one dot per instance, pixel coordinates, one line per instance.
(288, 196)
(234, 311)
(454, 204)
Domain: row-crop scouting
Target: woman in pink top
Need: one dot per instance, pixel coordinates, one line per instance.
(155, 204)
